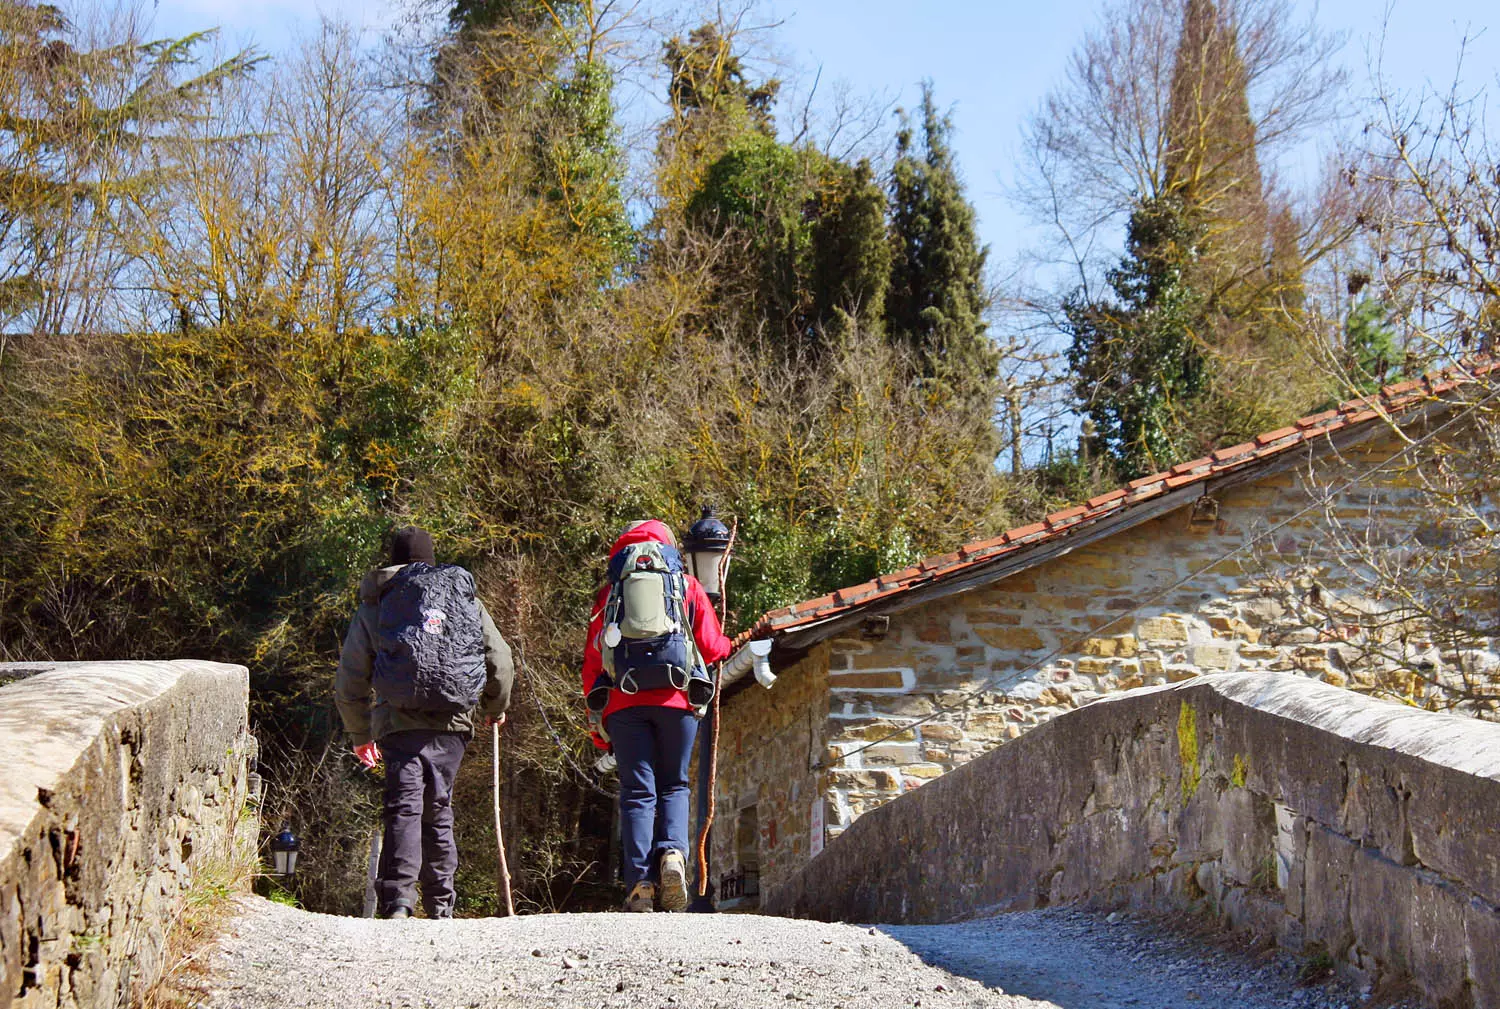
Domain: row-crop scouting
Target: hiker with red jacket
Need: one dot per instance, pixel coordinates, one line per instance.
(421, 656)
(652, 638)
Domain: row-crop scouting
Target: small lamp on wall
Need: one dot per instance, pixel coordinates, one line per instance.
(284, 848)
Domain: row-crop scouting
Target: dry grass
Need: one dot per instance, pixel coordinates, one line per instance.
(200, 918)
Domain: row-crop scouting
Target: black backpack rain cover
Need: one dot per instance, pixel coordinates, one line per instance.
(429, 640)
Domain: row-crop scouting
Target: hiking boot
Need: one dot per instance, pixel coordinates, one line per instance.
(674, 894)
(642, 898)
(398, 912)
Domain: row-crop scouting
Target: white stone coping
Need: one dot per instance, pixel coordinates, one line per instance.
(49, 720)
(1462, 743)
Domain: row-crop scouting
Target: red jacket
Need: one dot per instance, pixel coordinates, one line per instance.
(712, 644)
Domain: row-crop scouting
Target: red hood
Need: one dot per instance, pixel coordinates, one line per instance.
(654, 531)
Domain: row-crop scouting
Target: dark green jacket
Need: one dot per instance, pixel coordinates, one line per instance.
(367, 716)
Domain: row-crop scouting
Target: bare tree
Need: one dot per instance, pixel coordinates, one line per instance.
(1103, 140)
(1416, 587)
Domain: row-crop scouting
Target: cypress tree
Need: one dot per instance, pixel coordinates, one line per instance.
(937, 298)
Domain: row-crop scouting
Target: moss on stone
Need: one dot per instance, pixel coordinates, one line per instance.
(1240, 773)
(1187, 749)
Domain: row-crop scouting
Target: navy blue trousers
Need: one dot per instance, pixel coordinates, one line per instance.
(654, 748)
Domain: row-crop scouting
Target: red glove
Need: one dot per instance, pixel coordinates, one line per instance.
(599, 741)
(368, 753)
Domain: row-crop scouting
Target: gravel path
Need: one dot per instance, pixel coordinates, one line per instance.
(274, 957)
(1080, 959)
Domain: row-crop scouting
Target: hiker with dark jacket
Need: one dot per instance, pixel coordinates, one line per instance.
(651, 639)
(421, 656)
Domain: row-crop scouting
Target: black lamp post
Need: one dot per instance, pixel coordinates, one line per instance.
(284, 847)
(707, 543)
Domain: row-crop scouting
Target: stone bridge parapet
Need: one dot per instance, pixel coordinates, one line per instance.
(119, 782)
(1333, 822)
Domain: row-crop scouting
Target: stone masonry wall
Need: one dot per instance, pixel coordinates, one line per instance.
(769, 748)
(1014, 655)
(117, 782)
(1333, 822)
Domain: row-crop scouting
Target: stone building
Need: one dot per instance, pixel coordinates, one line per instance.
(1223, 563)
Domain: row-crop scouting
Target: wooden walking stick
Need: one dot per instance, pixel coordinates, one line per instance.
(510, 907)
(711, 771)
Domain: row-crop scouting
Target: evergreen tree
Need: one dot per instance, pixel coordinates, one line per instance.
(84, 133)
(1137, 365)
(815, 231)
(937, 298)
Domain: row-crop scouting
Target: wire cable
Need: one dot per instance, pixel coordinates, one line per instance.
(1073, 645)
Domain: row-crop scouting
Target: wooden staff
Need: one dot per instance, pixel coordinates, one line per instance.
(510, 907)
(713, 725)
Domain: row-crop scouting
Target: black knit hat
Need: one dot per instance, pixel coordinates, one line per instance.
(410, 545)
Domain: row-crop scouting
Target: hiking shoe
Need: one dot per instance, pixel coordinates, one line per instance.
(642, 897)
(398, 912)
(674, 894)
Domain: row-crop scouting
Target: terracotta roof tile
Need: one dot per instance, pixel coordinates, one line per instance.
(1398, 397)
(1276, 435)
(1064, 517)
(1317, 419)
(898, 577)
(1190, 465)
(855, 593)
(981, 548)
(1225, 454)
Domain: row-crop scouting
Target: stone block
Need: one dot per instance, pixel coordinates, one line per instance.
(1151, 664)
(941, 732)
(1023, 639)
(889, 680)
(1163, 630)
(924, 770)
(1177, 673)
(1233, 627)
(1214, 658)
(1102, 647)
(986, 725)
(883, 731)
(889, 754)
(1093, 667)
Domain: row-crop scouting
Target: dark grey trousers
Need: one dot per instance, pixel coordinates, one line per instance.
(420, 766)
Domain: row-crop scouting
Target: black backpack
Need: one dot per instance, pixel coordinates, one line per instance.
(429, 640)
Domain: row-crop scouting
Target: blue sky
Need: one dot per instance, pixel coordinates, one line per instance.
(991, 62)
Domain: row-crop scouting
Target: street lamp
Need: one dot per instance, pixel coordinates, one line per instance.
(284, 847)
(707, 543)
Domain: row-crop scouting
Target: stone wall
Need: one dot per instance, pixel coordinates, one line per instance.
(1010, 656)
(117, 782)
(1332, 821)
(770, 747)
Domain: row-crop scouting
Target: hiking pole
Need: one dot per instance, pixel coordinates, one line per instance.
(510, 907)
(708, 751)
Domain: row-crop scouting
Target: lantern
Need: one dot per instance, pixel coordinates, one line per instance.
(284, 848)
(707, 543)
